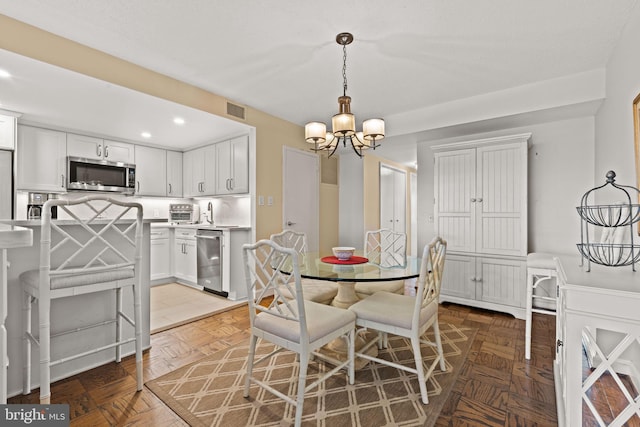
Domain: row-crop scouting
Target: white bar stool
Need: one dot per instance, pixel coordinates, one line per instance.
(540, 267)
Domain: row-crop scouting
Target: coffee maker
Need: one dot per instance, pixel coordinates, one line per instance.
(35, 203)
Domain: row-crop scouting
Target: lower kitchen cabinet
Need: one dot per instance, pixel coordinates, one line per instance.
(160, 258)
(233, 279)
(493, 283)
(184, 255)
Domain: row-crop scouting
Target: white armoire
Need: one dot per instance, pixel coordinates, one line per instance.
(481, 210)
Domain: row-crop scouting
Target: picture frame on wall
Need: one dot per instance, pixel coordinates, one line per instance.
(636, 137)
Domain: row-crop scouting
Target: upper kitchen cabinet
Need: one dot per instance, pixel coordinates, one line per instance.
(7, 132)
(199, 177)
(90, 147)
(151, 171)
(232, 166)
(41, 159)
(174, 174)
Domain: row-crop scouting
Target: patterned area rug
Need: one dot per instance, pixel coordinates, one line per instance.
(209, 392)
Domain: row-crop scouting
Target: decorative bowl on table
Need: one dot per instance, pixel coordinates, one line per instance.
(343, 253)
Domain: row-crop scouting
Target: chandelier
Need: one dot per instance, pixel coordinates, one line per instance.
(344, 123)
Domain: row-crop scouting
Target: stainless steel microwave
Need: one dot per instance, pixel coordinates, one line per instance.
(100, 175)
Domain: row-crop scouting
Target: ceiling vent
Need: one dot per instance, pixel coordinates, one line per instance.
(236, 111)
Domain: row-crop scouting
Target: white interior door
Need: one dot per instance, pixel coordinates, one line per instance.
(393, 185)
(301, 194)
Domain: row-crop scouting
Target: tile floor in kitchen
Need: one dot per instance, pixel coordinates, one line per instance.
(174, 304)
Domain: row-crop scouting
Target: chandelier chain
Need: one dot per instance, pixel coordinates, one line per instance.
(344, 69)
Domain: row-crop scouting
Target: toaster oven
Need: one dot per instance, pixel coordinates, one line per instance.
(184, 213)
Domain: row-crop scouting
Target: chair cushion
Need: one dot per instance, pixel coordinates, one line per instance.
(364, 289)
(320, 291)
(392, 309)
(541, 260)
(32, 278)
(321, 320)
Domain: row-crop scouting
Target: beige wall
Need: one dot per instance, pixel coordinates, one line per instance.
(328, 218)
(372, 193)
(272, 133)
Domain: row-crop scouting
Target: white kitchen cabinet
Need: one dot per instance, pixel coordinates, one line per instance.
(481, 210)
(8, 126)
(184, 255)
(41, 159)
(199, 177)
(90, 147)
(233, 280)
(160, 257)
(151, 171)
(232, 166)
(174, 174)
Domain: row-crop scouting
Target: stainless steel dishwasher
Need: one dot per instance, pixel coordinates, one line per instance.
(209, 244)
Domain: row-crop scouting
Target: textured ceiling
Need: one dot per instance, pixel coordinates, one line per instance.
(281, 56)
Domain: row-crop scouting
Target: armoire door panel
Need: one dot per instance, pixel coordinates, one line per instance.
(457, 280)
(458, 231)
(456, 174)
(500, 235)
(502, 281)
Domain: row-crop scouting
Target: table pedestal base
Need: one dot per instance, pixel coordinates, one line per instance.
(346, 295)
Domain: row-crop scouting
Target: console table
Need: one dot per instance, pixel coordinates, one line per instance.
(598, 313)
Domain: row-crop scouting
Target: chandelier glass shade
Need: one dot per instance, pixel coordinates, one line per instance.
(343, 124)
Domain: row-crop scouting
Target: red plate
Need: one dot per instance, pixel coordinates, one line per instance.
(352, 260)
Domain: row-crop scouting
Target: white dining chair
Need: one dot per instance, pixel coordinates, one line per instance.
(78, 257)
(321, 291)
(387, 249)
(297, 325)
(409, 316)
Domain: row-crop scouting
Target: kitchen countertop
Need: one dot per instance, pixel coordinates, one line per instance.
(201, 226)
(13, 236)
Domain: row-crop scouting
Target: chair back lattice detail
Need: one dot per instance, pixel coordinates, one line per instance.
(386, 248)
(95, 246)
(430, 278)
(291, 239)
(263, 263)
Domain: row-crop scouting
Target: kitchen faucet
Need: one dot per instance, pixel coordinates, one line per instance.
(210, 213)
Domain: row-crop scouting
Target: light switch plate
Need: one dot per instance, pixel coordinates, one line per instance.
(260, 200)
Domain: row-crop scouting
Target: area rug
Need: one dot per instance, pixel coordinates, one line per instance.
(209, 392)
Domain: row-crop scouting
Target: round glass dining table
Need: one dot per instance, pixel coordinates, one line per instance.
(347, 275)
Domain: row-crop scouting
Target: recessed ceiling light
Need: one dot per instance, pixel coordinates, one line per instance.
(145, 135)
(178, 121)
(4, 73)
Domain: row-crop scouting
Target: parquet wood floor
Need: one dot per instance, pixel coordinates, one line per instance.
(496, 387)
